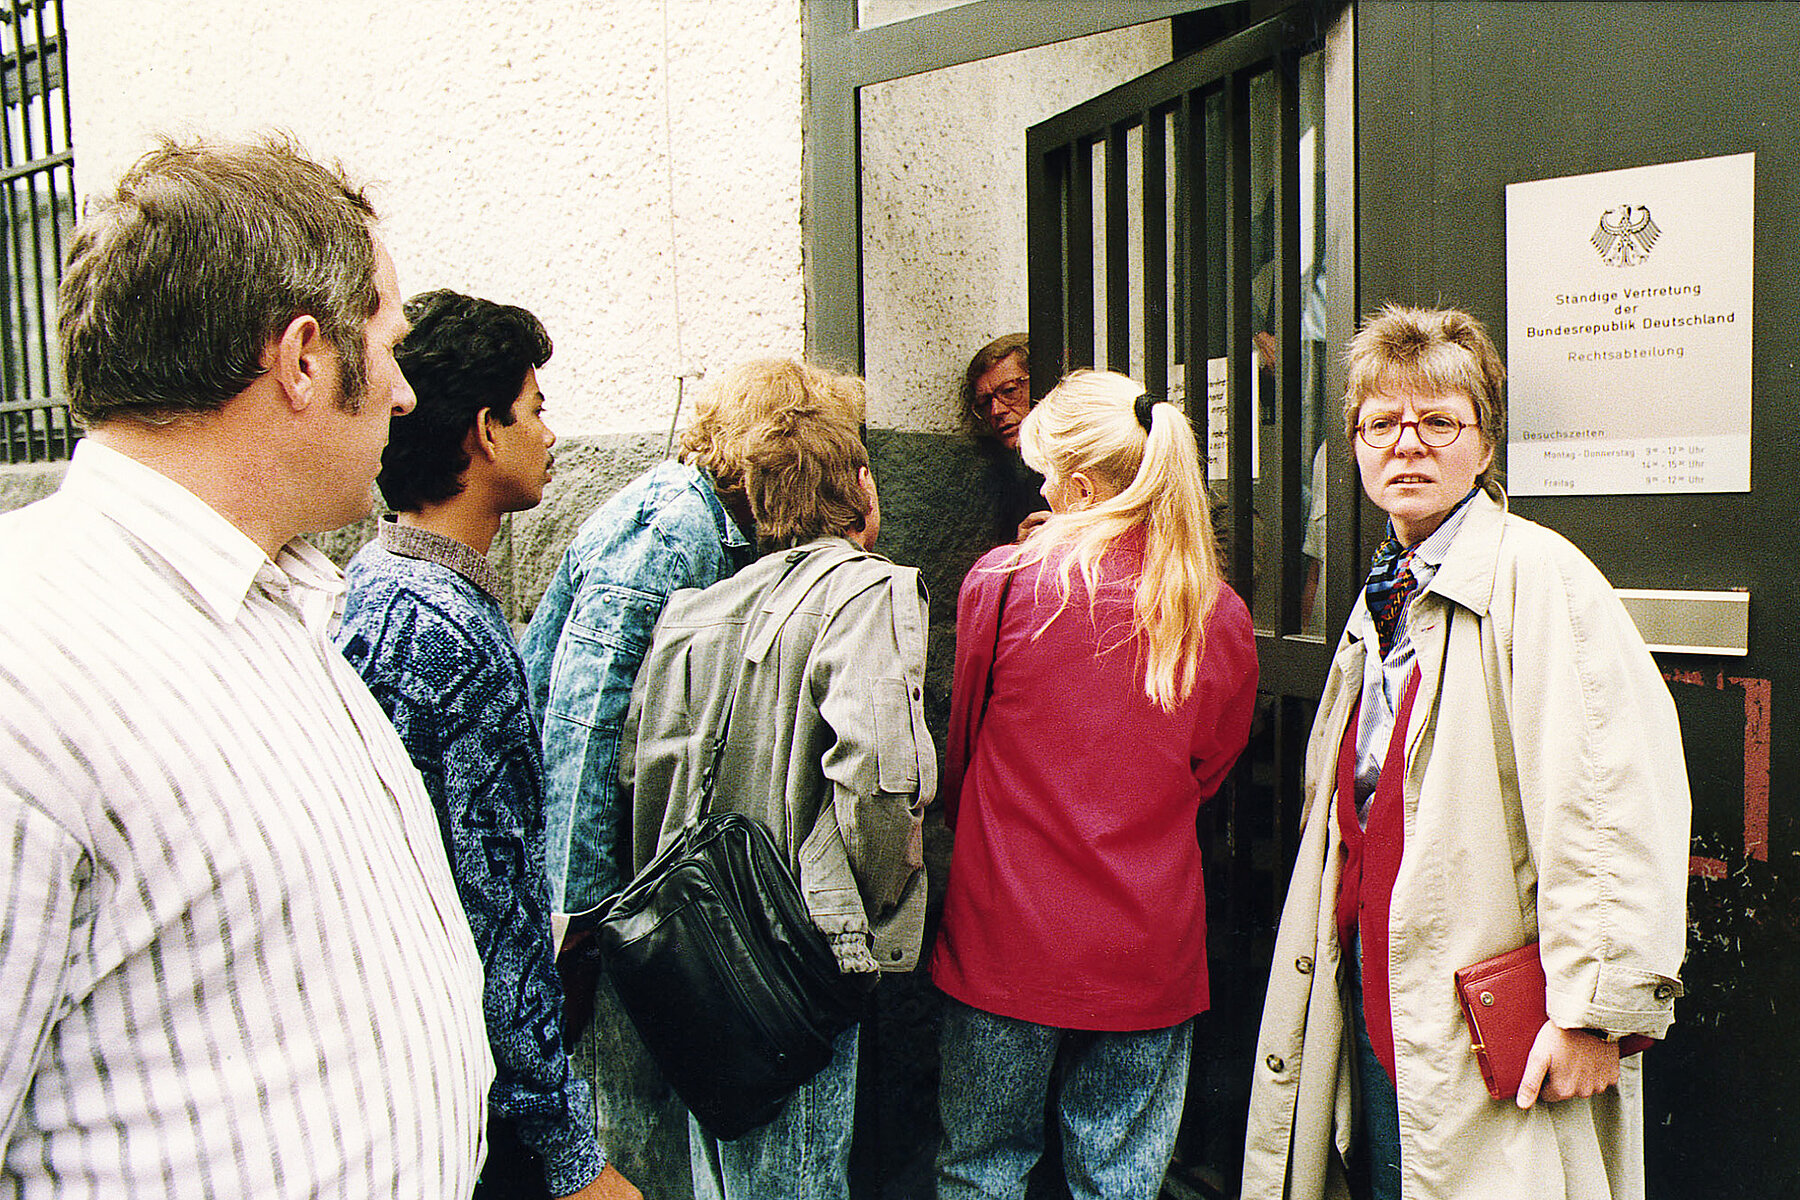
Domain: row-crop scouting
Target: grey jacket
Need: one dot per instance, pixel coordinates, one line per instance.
(826, 743)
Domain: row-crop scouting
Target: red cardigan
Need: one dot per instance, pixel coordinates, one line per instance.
(1075, 897)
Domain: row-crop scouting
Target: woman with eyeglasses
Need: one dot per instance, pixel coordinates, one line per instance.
(1105, 679)
(1495, 763)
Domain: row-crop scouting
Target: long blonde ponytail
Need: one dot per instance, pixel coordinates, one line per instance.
(1089, 424)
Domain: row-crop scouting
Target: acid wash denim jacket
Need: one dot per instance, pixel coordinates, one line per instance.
(423, 628)
(823, 647)
(663, 531)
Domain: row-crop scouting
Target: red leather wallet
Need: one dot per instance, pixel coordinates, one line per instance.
(1503, 1002)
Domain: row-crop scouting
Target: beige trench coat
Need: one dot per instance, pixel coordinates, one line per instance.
(1546, 799)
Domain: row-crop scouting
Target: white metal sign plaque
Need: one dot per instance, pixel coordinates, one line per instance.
(1628, 325)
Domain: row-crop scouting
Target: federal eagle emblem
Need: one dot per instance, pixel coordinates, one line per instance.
(1624, 236)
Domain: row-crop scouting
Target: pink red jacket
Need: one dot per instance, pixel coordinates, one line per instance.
(1075, 894)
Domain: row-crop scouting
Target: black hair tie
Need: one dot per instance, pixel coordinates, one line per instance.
(1142, 408)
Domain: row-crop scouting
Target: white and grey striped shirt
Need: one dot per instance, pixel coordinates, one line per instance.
(232, 959)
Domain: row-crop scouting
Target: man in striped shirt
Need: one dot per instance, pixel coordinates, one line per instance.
(232, 953)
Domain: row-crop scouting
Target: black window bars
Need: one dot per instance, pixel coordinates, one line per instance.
(37, 214)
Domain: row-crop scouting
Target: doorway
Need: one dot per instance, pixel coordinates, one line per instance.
(1190, 228)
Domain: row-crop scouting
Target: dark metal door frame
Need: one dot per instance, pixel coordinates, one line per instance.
(1063, 323)
(1062, 271)
(840, 59)
(1251, 829)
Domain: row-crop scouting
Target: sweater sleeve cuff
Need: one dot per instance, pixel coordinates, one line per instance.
(576, 1166)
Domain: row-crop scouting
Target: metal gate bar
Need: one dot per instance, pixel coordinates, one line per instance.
(1206, 110)
(36, 175)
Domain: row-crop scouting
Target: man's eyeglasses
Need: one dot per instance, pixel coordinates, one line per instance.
(1435, 429)
(1011, 394)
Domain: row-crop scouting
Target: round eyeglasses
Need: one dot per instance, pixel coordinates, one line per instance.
(1010, 394)
(1435, 429)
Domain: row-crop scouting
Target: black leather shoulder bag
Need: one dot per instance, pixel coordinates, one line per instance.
(736, 994)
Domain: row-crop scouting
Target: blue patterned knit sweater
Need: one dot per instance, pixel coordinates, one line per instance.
(438, 654)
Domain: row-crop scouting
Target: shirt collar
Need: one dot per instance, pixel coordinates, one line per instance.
(214, 557)
(1433, 549)
(729, 534)
(409, 541)
(1423, 560)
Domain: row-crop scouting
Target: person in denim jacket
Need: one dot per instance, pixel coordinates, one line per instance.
(424, 628)
(811, 663)
(684, 523)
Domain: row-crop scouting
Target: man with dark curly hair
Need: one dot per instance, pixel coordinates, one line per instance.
(424, 627)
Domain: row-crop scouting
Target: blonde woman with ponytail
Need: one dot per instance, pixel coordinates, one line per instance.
(1105, 676)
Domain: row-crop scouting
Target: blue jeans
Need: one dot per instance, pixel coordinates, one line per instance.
(1377, 1136)
(804, 1153)
(643, 1127)
(1119, 1102)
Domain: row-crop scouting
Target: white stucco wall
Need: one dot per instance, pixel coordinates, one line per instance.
(627, 169)
(943, 204)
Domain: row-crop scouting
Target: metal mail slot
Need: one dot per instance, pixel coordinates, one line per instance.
(1690, 622)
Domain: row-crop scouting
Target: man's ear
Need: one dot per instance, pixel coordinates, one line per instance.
(480, 439)
(296, 359)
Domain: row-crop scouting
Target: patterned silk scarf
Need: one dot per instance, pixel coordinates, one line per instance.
(1391, 581)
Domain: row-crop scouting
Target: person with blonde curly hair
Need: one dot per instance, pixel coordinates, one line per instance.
(1105, 680)
(685, 523)
(798, 684)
